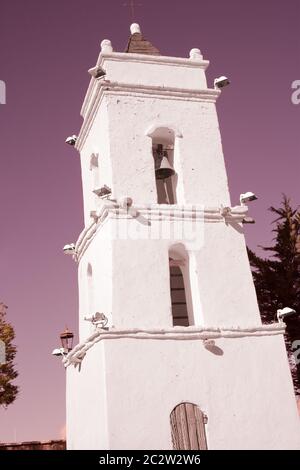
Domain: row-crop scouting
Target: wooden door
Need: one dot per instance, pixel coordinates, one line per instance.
(188, 427)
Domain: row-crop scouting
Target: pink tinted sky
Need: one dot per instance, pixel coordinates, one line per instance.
(46, 49)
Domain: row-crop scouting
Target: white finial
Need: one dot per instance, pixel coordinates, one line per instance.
(106, 46)
(135, 28)
(196, 54)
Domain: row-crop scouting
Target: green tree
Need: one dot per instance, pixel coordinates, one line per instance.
(8, 391)
(277, 277)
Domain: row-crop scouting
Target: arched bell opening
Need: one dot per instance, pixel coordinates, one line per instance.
(163, 141)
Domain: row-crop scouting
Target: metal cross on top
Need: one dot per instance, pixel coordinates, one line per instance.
(132, 4)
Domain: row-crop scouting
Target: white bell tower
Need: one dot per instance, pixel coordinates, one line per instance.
(178, 357)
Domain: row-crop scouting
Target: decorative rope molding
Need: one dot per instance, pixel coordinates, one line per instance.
(176, 333)
(83, 234)
(157, 212)
(105, 87)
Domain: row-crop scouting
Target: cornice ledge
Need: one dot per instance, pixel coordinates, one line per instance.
(106, 87)
(176, 333)
(153, 59)
(158, 212)
(143, 58)
(205, 93)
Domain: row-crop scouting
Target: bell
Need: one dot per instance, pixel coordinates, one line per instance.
(164, 169)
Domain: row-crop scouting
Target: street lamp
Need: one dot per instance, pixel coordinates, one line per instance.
(66, 338)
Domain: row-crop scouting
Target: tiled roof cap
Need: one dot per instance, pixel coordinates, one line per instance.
(137, 44)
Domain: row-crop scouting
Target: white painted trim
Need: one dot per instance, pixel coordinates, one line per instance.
(141, 58)
(105, 87)
(176, 333)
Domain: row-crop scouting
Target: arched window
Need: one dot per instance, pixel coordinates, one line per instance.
(94, 167)
(163, 140)
(188, 427)
(178, 299)
(180, 287)
(90, 289)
